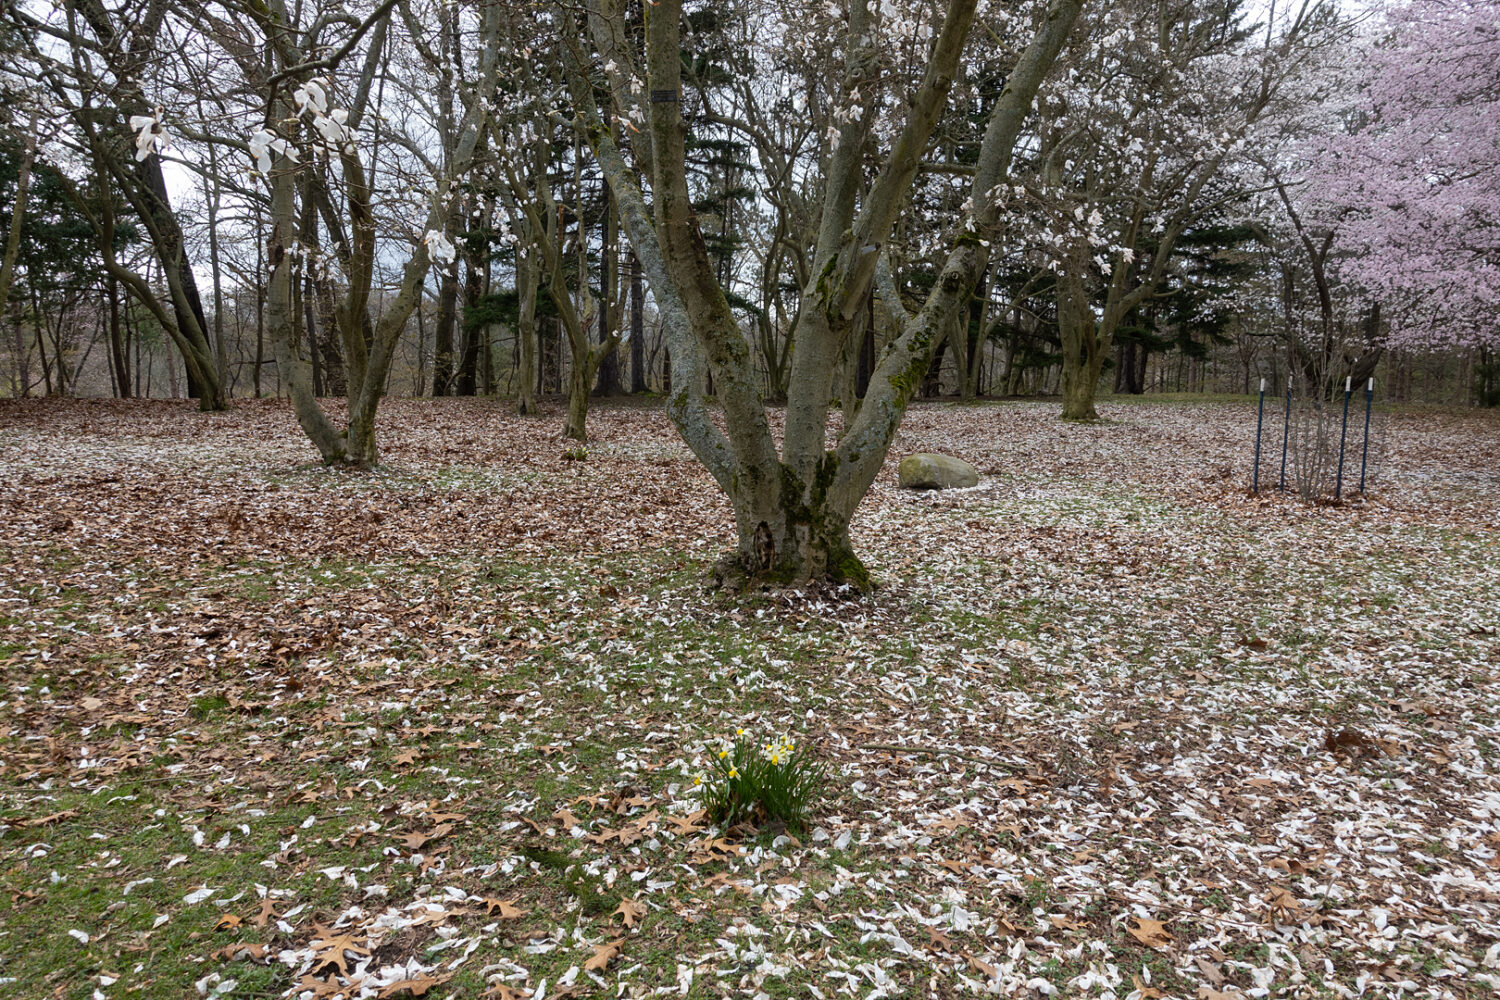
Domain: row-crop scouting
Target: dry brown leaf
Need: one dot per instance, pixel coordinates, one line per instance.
(939, 939)
(604, 954)
(684, 825)
(1145, 992)
(329, 947)
(322, 987)
(56, 817)
(414, 987)
(630, 911)
(503, 908)
(1151, 933)
(415, 841)
(266, 915)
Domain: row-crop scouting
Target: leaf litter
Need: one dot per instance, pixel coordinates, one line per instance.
(1111, 727)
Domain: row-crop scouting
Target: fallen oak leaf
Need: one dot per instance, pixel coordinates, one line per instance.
(684, 825)
(630, 911)
(322, 987)
(504, 909)
(415, 987)
(1143, 991)
(227, 922)
(266, 915)
(939, 939)
(329, 948)
(604, 954)
(56, 817)
(1151, 933)
(415, 841)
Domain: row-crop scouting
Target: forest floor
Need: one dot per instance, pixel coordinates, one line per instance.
(1111, 726)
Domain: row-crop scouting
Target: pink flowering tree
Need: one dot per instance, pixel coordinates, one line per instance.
(1412, 183)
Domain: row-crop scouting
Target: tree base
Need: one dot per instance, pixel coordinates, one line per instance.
(730, 575)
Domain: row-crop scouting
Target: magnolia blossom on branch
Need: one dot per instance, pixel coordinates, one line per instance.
(440, 247)
(263, 144)
(150, 134)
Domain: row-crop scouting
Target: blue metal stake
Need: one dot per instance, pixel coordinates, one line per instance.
(1365, 454)
(1260, 415)
(1286, 433)
(1338, 488)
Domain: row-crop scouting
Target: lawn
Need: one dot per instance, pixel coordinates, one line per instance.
(1110, 727)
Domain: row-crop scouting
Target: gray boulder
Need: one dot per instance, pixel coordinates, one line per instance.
(926, 471)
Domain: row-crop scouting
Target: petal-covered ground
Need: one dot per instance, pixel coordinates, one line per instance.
(1111, 727)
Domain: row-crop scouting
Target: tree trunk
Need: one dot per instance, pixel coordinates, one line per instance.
(576, 425)
(467, 381)
(1082, 346)
(637, 326)
(118, 356)
(442, 352)
(527, 281)
(328, 339)
(17, 215)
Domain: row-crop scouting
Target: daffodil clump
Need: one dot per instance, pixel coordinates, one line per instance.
(760, 783)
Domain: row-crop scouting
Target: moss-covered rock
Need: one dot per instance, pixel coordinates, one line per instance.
(927, 471)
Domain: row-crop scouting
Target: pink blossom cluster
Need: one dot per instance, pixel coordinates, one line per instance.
(1412, 180)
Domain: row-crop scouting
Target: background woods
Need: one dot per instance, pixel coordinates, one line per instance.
(835, 209)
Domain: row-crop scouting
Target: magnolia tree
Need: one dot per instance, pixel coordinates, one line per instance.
(1144, 135)
(312, 128)
(1411, 182)
(793, 503)
(106, 72)
(334, 155)
(552, 234)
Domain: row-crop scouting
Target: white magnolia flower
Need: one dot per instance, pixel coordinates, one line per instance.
(439, 246)
(150, 134)
(263, 144)
(311, 97)
(334, 126)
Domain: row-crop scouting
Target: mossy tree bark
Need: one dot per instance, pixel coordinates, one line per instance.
(792, 506)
